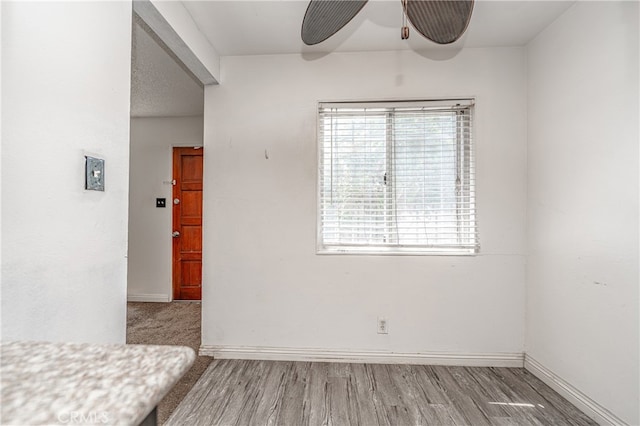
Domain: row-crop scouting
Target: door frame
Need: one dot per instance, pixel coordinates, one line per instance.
(177, 41)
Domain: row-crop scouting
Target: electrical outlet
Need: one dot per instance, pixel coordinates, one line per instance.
(383, 326)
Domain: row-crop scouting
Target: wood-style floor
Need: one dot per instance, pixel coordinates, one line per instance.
(241, 392)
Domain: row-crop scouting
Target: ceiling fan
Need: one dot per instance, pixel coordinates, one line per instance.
(441, 21)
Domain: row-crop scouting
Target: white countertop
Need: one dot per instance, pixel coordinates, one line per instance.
(73, 383)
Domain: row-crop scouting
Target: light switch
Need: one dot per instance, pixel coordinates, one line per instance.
(94, 174)
(161, 202)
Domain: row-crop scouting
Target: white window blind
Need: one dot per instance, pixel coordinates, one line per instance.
(397, 177)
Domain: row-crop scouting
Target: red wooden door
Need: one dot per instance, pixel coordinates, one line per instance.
(187, 223)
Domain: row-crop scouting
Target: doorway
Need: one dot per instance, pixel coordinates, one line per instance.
(167, 107)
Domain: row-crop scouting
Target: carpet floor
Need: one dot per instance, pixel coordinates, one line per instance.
(175, 323)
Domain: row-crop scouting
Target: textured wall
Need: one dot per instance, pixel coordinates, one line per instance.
(264, 285)
(582, 287)
(65, 82)
(152, 139)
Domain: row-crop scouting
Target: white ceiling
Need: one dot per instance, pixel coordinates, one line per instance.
(250, 27)
(161, 87)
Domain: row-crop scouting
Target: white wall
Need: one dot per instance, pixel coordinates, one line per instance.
(152, 139)
(65, 80)
(264, 286)
(582, 299)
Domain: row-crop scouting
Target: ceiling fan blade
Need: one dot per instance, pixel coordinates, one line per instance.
(441, 21)
(324, 18)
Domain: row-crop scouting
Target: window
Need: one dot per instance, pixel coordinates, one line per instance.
(396, 177)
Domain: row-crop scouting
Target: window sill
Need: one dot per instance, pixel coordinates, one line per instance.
(406, 251)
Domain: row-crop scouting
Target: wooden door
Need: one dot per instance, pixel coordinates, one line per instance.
(187, 223)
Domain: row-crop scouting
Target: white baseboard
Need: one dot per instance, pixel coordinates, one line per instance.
(372, 357)
(588, 406)
(148, 298)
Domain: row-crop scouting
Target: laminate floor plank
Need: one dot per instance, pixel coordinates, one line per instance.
(353, 409)
(477, 393)
(254, 392)
(270, 393)
(461, 397)
(378, 403)
(229, 398)
(502, 396)
(522, 399)
(445, 415)
(416, 400)
(549, 410)
(429, 385)
(243, 402)
(554, 400)
(269, 406)
(525, 395)
(365, 385)
(317, 395)
(390, 396)
(293, 397)
(212, 386)
(446, 409)
(237, 400)
(338, 409)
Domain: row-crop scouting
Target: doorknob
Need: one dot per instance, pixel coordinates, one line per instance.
(176, 201)
(175, 234)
